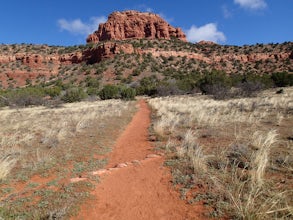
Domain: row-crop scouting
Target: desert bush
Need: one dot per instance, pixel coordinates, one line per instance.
(213, 78)
(3, 99)
(249, 88)
(127, 93)
(109, 92)
(91, 91)
(73, 95)
(186, 84)
(218, 91)
(92, 82)
(24, 97)
(53, 91)
(168, 88)
(282, 79)
(148, 86)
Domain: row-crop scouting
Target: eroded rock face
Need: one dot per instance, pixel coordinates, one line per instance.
(106, 50)
(94, 55)
(135, 25)
(204, 42)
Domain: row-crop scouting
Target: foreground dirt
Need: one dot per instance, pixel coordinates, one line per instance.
(135, 184)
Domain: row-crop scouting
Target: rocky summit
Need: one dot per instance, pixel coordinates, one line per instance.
(135, 25)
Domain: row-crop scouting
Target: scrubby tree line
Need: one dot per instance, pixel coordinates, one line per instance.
(56, 93)
(215, 83)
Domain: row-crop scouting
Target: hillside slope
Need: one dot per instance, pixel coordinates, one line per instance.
(113, 61)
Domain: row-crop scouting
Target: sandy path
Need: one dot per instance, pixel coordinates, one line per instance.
(133, 144)
(140, 190)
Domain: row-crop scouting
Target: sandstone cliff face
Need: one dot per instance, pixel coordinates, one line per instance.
(90, 56)
(213, 59)
(31, 66)
(204, 42)
(106, 50)
(135, 25)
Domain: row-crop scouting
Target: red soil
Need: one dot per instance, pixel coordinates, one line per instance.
(141, 190)
(133, 144)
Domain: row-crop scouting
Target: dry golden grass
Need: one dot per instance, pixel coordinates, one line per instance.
(42, 148)
(6, 164)
(234, 144)
(36, 135)
(264, 142)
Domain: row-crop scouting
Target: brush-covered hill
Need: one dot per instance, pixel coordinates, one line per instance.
(134, 48)
(131, 60)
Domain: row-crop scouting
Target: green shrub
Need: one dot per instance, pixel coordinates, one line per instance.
(187, 85)
(92, 82)
(3, 99)
(148, 86)
(282, 79)
(53, 91)
(168, 88)
(214, 79)
(265, 80)
(23, 97)
(250, 88)
(127, 93)
(92, 91)
(73, 95)
(92, 85)
(218, 91)
(109, 92)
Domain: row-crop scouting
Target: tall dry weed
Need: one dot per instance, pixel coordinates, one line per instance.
(6, 165)
(264, 143)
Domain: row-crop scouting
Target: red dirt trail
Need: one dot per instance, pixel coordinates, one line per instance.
(142, 189)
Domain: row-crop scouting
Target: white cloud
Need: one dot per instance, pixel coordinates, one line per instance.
(208, 32)
(226, 12)
(251, 4)
(77, 26)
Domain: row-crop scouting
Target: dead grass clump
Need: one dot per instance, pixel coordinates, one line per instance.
(264, 142)
(6, 165)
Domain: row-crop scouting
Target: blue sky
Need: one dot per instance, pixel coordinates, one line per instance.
(68, 22)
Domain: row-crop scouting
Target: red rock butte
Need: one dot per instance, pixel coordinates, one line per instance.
(135, 25)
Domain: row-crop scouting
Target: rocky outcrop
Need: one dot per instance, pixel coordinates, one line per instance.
(36, 60)
(90, 56)
(244, 58)
(213, 59)
(204, 42)
(110, 49)
(106, 50)
(135, 25)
